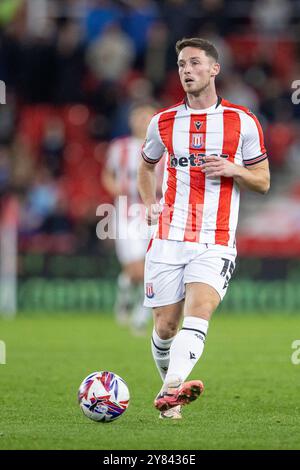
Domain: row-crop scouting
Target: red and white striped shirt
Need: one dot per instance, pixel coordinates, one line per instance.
(122, 158)
(195, 207)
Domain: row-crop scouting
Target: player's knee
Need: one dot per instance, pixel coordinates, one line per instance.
(166, 329)
(136, 273)
(203, 310)
(136, 279)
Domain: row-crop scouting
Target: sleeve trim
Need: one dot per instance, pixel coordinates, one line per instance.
(149, 160)
(258, 159)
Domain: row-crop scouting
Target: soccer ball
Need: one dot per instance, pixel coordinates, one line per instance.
(103, 396)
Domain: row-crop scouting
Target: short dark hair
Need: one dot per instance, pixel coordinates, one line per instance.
(200, 43)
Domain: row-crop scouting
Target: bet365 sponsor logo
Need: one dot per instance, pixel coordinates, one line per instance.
(194, 159)
(295, 357)
(2, 352)
(2, 92)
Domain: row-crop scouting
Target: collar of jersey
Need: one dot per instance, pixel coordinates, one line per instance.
(203, 110)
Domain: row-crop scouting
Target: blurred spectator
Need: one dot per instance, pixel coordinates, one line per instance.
(58, 221)
(52, 146)
(23, 164)
(69, 63)
(270, 93)
(271, 16)
(156, 55)
(209, 11)
(209, 31)
(40, 201)
(237, 91)
(5, 170)
(111, 56)
(137, 23)
(176, 15)
(37, 74)
(279, 138)
(259, 73)
(100, 15)
(139, 90)
(293, 158)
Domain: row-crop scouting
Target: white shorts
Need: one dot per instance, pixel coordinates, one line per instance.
(132, 245)
(128, 251)
(171, 264)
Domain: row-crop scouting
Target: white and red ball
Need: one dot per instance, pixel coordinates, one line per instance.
(103, 396)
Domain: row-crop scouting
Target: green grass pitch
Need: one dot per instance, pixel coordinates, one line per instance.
(251, 400)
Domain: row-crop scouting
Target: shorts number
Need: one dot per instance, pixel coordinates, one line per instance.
(227, 271)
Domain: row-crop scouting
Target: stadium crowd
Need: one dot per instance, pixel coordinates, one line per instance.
(73, 68)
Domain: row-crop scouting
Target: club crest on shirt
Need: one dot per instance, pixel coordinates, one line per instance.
(197, 141)
(149, 290)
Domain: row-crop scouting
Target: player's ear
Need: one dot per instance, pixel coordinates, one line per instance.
(215, 69)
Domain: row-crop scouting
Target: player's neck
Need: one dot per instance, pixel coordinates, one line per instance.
(203, 101)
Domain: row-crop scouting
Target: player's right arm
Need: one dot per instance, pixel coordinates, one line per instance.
(110, 182)
(147, 190)
(109, 178)
(152, 152)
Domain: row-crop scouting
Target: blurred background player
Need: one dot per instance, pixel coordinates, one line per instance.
(120, 179)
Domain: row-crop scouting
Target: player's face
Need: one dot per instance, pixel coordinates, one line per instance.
(196, 70)
(140, 119)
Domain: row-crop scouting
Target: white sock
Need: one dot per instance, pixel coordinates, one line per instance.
(186, 349)
(161, 353)
(124, 292)
(140, 314)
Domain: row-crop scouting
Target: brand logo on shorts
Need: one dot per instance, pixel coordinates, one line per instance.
(149, 290)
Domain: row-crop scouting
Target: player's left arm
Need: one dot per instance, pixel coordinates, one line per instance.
(255, 177)
(255, 174)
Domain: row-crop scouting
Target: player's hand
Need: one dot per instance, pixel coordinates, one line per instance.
(152, 214)
(218, 166)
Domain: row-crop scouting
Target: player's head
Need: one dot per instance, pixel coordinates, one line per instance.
(139, 118)
(197, 64)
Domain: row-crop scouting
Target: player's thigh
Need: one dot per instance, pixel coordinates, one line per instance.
(135, 270)
(163, 284)
(206, 278)
(167, 319)
(201, 300)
